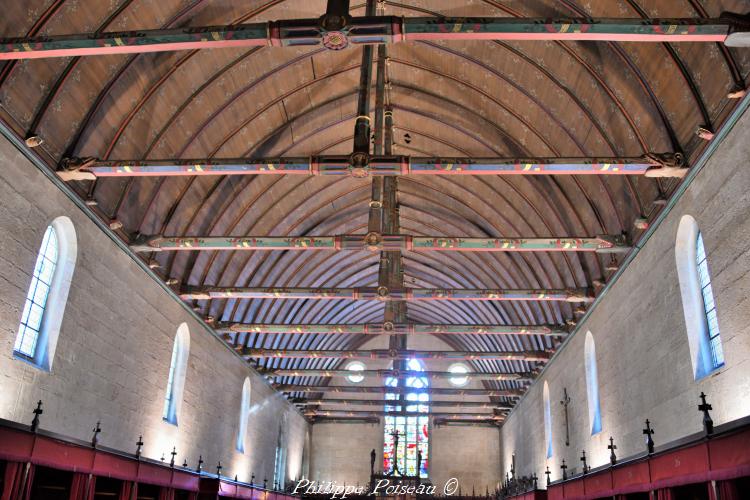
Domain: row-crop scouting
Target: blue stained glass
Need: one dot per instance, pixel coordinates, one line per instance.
(36, 298)
(412, 430)
(709, 305)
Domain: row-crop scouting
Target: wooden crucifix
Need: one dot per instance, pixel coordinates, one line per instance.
(395, 452)
(565, 402)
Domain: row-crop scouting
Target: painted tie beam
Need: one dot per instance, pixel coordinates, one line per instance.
(365, 413)
(378, 389)
(383, 402)
(650, 165)
(376, 242)
(394, 355)
(396, 374)
(385, 294)
(377, 30)
(388, 328)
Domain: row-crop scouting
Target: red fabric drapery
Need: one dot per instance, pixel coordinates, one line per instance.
(664, 494)
(166, 493)
(82, 487)
(727, 490)
(128, 491)
(17, 481)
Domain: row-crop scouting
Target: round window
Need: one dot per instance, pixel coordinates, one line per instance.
(355, 366)
(458, 369)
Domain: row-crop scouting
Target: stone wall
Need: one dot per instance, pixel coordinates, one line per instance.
(115, 347)
(642, 353)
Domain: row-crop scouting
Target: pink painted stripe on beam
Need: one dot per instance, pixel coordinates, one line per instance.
(131, 49)
(193, 173)
(602, 37)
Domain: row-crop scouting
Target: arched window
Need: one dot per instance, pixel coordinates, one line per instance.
(177, 372)
(413, 431)
(43, 311)
(244, 415)
(547, 420)
(279, 466)
(592, 385)
(698, 304)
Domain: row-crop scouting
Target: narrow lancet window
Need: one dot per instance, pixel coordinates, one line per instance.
(177, 373)
(592, 385)
(698, 305)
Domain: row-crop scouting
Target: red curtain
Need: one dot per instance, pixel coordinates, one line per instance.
(166, 493)
(17, 481)
(664, 494)
(82, 487)
(727, 490)
(128, 490)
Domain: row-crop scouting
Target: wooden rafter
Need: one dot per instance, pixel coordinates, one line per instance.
(651, 165)
(371, 30)
(541, 356)
(388, 328)
(379, 389)
(387, 242)
(395, 373)
(385, 294)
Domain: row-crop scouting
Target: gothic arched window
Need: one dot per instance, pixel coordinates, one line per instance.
(43, 310)
(592, 385)
(177, 373)
(244, 415)
(412, 429)
(547, 420)
(699, 308)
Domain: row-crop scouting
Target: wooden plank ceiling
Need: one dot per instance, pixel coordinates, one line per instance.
(472, 98)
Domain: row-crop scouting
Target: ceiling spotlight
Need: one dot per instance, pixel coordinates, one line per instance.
(704, 133)
(34, 141)
(640, 223)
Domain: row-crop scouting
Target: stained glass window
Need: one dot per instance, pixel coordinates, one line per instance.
(714, 340)
(36, 298)
(413, 430)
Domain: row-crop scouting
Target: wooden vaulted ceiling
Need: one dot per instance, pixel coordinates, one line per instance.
(471, 98)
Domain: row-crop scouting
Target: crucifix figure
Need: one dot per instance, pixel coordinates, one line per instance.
(583, 459)
(174, 454)
(648, 431)
(612, 447)
(565, 402)
(548, 473)
(708, 423)
(95, 438)
(565, 470)
(38, 411)
(200, 464)
(395, 452)
(139, 447)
